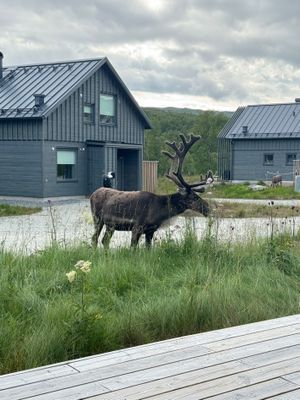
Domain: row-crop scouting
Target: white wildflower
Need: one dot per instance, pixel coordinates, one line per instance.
(86, 267)
(71, 276)
(79, 264)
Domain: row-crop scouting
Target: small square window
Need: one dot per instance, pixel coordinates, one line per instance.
(88, 113)
(268, 159)
(290, 157)
(107, 109)
(66, 164)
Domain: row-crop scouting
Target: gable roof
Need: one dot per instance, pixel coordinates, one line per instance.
(267, 121)
(54, 80)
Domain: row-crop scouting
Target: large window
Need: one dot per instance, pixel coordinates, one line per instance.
(290, 157)
(66, 164)
(88, 113)
(107, 109)
(268, 159)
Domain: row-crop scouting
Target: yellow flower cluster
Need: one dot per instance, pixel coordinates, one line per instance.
(83, 266)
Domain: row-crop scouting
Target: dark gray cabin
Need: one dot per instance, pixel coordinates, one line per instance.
(260, 141)
(64, 125)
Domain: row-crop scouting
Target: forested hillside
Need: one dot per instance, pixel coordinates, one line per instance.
(169, 123)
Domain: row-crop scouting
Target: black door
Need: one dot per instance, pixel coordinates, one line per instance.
(95, 168)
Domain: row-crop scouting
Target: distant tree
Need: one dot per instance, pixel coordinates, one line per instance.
(169, 124)
(208, 125)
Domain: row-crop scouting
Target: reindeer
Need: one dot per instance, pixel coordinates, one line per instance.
(143, 212)
(276, 180)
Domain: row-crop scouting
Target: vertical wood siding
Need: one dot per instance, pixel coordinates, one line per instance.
(21, 129)
(150, 175)
(66, 122)
(224, 159)
(111, 159)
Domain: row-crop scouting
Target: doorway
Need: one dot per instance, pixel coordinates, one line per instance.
(128, 170)
(95, 170)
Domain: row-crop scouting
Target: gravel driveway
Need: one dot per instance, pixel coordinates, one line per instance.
(72, 222)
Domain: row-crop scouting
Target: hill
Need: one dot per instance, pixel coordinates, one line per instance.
(184, 110)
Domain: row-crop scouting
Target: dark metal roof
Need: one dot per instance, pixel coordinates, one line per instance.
(54, 80)
(267, 121)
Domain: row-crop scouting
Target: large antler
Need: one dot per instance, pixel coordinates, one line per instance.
(178, 158)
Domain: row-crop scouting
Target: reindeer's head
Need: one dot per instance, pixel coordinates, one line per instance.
(193, 201)
(188, 192)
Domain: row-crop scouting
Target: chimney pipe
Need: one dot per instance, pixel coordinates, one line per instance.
(39, 100)
(1, 65)
(297, 99)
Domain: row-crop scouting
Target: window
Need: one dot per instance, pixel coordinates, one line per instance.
(88, 113)
(290, 157)
(268, 159)
(66, 164)
(107, 109)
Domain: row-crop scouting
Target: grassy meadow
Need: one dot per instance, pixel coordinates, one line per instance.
(233, 190)
(242, 191)
(122, 298)
(51, 310)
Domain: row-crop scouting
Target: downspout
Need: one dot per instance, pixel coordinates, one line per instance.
(1, 65)
(231, 159)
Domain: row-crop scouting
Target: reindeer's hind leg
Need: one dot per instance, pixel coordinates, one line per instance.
(149, 236)
(107, 236)
(98, 223)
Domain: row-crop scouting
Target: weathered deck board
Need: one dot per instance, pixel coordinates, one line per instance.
(253, 361)
(294, 395)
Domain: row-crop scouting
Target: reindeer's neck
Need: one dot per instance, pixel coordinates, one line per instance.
(175, 205)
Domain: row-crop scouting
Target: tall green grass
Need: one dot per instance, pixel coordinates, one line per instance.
(233, 191)
(134, 297)
(242, 191)
(7, 210)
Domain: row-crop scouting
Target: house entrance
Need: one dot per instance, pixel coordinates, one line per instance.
(95, 170)
(128, 169)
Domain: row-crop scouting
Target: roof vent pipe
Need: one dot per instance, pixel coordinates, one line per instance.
(297, 99)
(1, 65)
(245, 129)
(39, 100)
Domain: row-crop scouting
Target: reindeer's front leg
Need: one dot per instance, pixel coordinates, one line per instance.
(135, 235)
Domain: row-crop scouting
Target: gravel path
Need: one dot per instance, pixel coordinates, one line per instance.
(71, 222)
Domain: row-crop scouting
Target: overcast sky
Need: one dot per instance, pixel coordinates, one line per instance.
(209, 54)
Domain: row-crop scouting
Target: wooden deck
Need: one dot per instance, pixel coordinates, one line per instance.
(254, 361)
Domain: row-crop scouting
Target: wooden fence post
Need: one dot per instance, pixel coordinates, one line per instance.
(150, 175)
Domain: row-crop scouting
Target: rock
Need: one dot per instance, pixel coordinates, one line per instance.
(256, 187)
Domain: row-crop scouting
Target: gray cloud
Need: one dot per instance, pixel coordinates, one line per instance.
(228, 51)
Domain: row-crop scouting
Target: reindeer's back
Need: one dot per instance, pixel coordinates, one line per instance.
(112, 201)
